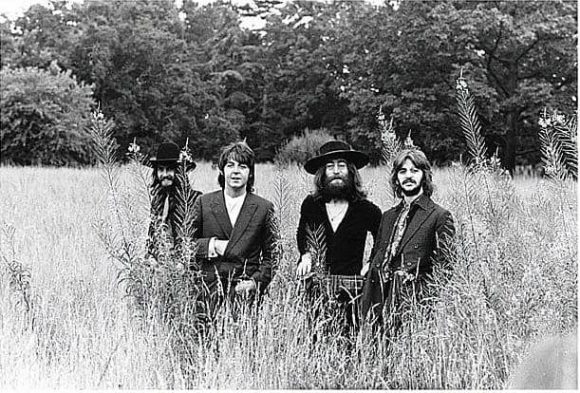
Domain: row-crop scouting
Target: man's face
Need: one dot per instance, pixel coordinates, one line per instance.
(165, 175)
(336, 180)
(336, 172)
(410, 178)
(236, 175)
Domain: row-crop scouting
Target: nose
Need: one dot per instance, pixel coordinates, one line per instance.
(335, 169)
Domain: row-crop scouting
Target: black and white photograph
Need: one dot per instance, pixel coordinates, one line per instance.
(288, 194)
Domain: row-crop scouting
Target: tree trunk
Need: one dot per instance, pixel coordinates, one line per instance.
(511, 142)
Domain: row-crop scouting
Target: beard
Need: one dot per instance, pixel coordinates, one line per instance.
(167, 181)
(413, 191)
(337, 190)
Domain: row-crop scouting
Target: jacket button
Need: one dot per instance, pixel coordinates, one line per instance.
(416, 246)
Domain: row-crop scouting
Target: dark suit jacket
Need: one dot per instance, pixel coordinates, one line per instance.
(252, 241)
(178, 219)
(429, 228)
(426, 242)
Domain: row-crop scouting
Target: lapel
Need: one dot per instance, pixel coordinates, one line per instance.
(246, 213)
(218, 209)
(389, 225)
(424, 209)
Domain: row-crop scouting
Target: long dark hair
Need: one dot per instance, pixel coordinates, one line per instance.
(354, 193)
(159, 193)
(243, 154)
(419, 159)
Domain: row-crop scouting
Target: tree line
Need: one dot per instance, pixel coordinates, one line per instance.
(163, 71)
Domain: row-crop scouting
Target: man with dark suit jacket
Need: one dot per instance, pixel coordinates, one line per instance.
(170, 187)
(414, 238)
(236, 232)
(339, 210)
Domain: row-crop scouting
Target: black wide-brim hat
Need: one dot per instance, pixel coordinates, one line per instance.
(168, 153)
(334, 150)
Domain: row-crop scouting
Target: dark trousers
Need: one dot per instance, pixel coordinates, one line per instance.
(332, 304)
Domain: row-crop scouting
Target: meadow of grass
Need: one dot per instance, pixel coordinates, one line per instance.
(65, 321)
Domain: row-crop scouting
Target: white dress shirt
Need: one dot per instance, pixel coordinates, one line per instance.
(233, 207)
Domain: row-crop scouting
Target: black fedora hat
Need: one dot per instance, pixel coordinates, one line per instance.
(334, 150)
(168, 153)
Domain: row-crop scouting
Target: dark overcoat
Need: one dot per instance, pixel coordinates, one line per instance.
(425, 243)
(178, 221)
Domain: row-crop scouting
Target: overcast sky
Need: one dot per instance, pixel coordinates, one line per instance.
(13, 8)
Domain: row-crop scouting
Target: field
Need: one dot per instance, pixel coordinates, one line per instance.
(65, 321)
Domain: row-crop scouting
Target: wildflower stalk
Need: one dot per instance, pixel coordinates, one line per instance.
(390, 143)
(101, 131)
(558, 146)
(469, 123)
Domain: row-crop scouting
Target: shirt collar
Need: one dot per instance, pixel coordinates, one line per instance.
(234, 199)
(422, 201)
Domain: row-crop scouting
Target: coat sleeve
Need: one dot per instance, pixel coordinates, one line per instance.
(201, 243)
(154, 213)
(269, 248)
(377, 238)
(374, 217)
(444, 234)
(301, 232)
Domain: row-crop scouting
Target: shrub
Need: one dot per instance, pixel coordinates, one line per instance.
(44, 114)
(302, 147)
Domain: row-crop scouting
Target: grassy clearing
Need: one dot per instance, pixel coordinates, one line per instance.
(68, 325)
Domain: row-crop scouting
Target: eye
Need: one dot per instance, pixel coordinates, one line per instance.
(243, 166)
(342, 165)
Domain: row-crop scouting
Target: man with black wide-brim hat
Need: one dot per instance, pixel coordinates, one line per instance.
(170, 186)
(338, 214)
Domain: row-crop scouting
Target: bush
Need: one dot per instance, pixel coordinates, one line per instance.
(302, 147)
(44, 115)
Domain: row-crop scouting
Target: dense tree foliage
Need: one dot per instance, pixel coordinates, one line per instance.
(163, 72)
(44, 115)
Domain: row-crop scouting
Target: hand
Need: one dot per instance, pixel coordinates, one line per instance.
(305, 265)
(220, 246)
(150, 260)
(245, 287)
(365, 269)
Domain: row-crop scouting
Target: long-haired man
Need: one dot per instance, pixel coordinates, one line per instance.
(169, 188)
(339, 210)
(414, 238)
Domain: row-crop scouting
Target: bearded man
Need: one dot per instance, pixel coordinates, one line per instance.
(169, 222)
(414, 238)
(338, 209)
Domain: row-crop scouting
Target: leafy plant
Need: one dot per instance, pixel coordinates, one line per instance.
(168, 286)
(44, 114)
(558, 136)
(303, 147)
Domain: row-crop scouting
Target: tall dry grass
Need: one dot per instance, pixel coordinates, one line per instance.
(65, 322)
